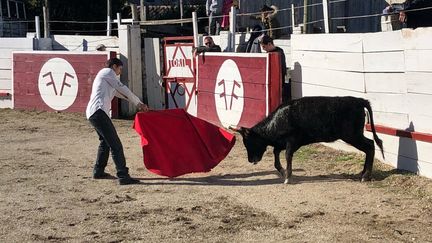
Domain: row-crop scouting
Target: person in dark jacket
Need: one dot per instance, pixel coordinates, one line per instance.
(209, 46)
(416, 13)
(269, 21)
(252, 44)
(267, 45)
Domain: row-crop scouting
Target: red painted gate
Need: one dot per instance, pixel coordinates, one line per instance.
(237, 89)
(56, 81)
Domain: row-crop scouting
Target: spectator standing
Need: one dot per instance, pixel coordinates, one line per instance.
(214, 11)
(253, 45)
(225, 11)
(416, 13)
(269, 21)
(267, 45)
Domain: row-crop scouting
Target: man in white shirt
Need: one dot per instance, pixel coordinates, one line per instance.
(105, 86)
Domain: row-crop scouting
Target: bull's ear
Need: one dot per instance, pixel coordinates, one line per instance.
(245, 131)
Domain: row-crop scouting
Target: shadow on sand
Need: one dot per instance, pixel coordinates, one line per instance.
(262, 178)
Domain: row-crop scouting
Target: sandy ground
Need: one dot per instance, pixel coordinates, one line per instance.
(47, 194)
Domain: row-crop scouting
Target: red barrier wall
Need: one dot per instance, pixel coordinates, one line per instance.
(237, 89)
(55, 81)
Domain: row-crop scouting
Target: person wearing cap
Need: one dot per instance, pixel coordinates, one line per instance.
(269, 21)
(267, 45)
(105, 86)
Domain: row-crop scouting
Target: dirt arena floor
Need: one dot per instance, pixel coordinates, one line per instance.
(48, 195)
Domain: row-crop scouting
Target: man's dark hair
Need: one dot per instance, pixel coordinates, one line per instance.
(113, 61)
(266, 8)
(265, 40)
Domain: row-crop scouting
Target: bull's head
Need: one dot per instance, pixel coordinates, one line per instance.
(254, 143)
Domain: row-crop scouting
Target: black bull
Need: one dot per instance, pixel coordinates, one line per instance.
(310, 120)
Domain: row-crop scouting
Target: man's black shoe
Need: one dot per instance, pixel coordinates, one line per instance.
(103, 175)
(128, 181)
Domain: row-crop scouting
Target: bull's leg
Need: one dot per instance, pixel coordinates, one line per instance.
(277, 163)
(289, 155)
(367, 146)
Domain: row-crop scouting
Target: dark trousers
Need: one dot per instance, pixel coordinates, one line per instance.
(214, 24)
(286, 92)
(109, 140)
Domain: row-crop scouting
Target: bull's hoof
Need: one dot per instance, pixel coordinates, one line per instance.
(288, 181)
(365, 177)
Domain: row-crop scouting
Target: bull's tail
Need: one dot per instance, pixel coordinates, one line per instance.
(375, 136)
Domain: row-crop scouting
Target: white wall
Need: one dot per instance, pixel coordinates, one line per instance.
(153, 76)
(7, 46)
(84, 43)
(393, 70)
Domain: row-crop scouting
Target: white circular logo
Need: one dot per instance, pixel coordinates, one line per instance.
(229, 92)
(58, 84)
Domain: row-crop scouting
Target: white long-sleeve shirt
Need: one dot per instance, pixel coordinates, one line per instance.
(105, 86)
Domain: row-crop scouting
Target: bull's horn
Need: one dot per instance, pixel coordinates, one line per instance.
(234, 129)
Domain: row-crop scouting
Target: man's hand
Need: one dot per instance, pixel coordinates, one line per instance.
(402, 17)
(142, 107)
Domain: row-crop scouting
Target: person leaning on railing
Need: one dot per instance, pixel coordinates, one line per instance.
(416, 13)
(209, 46)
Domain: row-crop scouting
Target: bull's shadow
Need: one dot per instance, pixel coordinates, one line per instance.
(256, 179)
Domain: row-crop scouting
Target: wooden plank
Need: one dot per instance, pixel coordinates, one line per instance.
(17, 43)
(353, 81)
(419, 83)
(383, 41)
(417, 39)
(421, 122)
(5, 63)
(419, 103)
(384, 62)
(302, 89)
(328, 42)
(5, 74)
(5, 84)
(387, 102)
(396, 120)
(424, 168)
(341, 61)
(386, 83)
(84, 43)
(6, 103)
(418, 60)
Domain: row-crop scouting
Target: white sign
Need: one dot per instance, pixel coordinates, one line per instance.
(58, 84)
(179, 61)
(229, 93)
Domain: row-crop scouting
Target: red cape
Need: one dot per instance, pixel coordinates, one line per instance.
(176, 143)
